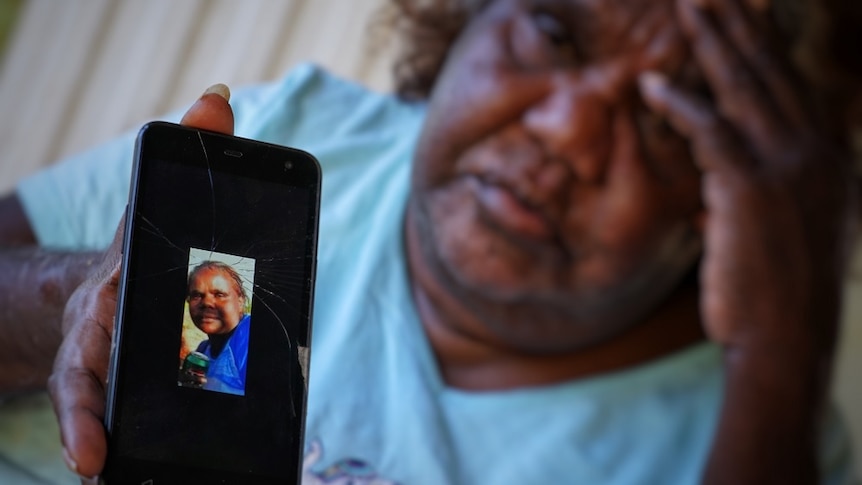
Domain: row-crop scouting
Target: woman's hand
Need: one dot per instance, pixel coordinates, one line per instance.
(77, 385)
(778, 194)
(777, 187)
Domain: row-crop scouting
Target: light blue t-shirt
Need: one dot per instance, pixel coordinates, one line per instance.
(378, 410)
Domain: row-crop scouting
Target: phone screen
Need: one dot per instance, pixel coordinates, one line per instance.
(208, 377)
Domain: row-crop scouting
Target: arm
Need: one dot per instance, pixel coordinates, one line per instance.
(778, 196)
(769, 427)
(34, 287)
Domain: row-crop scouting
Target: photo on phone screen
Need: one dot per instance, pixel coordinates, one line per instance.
(216, 322)
(208, 378)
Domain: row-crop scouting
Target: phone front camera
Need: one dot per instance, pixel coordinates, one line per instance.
(288, 165)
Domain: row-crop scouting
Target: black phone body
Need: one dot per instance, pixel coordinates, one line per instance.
(208, 373)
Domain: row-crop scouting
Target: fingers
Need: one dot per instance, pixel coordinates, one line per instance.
(77, 391)
(739, 94)
(754, 36)
(77, 385)
(681, 109)
(79, 402)
(212, 111)
(714, 142)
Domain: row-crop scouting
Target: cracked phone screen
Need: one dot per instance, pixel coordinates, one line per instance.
(219, 266)
(216, 321)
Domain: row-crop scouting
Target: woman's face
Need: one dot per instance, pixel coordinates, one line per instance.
(215, 304)
(541, 182)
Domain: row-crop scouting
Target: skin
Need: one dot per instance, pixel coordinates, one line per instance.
(74, 305)
(776, 196)
(216, 307)
(215, 304)
(36, 284)
(566, 209)
(541, 222)
(779, 196)
(34, 287)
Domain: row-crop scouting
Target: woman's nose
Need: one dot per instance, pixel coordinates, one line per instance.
(574, 120)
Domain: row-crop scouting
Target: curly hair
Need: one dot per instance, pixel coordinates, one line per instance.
(823, 35)
(427, 29)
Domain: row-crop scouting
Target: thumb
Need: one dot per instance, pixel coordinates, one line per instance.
(212, 111)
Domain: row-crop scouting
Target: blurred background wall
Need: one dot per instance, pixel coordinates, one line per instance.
(75, 73)
(79, 72)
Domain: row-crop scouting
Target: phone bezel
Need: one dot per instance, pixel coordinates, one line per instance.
(259, 160)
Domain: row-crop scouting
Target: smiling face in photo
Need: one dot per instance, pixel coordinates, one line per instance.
(215, 303)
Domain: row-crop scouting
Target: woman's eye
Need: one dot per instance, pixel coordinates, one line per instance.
(557, 34)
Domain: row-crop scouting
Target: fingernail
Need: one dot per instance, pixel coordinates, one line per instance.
(220, 89)
(71, 463)
(652, 83)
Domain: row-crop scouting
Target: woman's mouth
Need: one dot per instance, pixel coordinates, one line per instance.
(512, 214)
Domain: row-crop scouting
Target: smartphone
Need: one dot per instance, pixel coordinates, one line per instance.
(209, 366)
